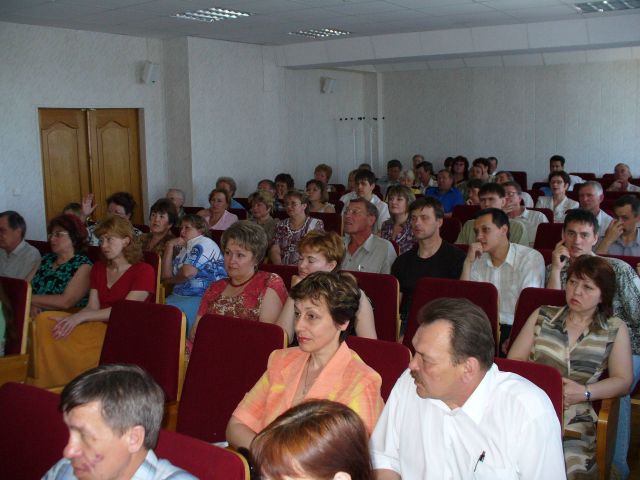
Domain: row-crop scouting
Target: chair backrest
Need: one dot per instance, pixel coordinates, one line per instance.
(633, 261)
(546, 254)
(149, 335)
(244, 201)
(192, 210)
(535, 193)
(531, 298)
(42, 246)
(241, 213)
(465, 212)
(283, 271)
(521, 178)
(332, 221)
(384, 292)
(389, 359)
(33, 433)
(19, 293)
(153, 259)
(547, 212)
(544, 376)
(485, 295)
(548, 235)
(450, 229)
(229, 355)
(216, 236)
(203, 460)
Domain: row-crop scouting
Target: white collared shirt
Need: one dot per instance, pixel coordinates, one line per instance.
(604, 220)
(507, 420)
(560, 210)
(375, 255)
(523, 267)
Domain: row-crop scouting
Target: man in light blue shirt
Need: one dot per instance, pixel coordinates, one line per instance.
(113, 413)
(621, 237)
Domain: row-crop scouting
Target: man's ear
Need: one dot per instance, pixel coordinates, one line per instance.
(135, 438)
(471, 366)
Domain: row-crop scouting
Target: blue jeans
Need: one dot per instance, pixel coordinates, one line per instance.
(624, 425)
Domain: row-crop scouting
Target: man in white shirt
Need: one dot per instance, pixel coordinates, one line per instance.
(503, 177)
(590, 197)
(508, 266)
(454, 415)
(18, 259)
(365, 184)
(516, 211)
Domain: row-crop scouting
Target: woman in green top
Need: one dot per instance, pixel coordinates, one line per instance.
(62, 281)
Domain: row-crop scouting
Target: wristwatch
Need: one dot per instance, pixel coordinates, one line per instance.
(587, 393)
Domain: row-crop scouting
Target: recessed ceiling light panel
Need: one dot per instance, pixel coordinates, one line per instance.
(606, 6)
(320, 33)
(213, 14)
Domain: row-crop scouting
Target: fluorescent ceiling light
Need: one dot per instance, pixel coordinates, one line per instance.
(320, 33)
(606, 6)
(213, 14)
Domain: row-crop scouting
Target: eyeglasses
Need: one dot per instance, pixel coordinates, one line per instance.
(58, 234)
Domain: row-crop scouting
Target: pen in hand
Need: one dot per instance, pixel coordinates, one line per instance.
(480, 459)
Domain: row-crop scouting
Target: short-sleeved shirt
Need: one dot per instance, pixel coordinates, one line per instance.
(383, 208)
(531, 219)
(287, 238)
(449, 199)
(375, 255)
(523, 267)
(50, 281)
(345, 379)
(632, 249)
(248, 303)
(20, 262)
(560, 210)
(138, 277)
(202, 253)
(408, 268)
(151, 469)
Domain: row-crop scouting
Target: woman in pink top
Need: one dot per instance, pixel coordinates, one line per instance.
(321, 367)
(217, 215)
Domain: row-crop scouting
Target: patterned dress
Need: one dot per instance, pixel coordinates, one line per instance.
(405, 241)
(53, 281)
(584, 364)
(287, 238)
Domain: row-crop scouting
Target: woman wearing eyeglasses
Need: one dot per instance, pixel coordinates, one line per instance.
(62, 280)
(289, 231)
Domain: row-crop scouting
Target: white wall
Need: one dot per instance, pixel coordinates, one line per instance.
(590, 113)
(48, 67)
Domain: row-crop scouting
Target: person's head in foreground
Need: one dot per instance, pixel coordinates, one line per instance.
(454, 349)
(319, 439)
(320, 251)
(113, 413)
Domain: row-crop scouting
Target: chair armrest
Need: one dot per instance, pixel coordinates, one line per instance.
(13, 368)
(170, 419)
(607, 429)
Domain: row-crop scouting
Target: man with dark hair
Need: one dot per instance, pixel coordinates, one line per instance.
(119, 203)
(448, 195)
(394, 168)
(424, 175)
(432, 257)
(621, 237)
(454, 414)
(113, 413)
(518, 212)
(283, 183)
(493, 165)
(508, 266)
(483, 174)
(579, 235)
(365, 252)
(556, 164)
(18, 259)
(365, 184)
(492, 195)
(267, 185)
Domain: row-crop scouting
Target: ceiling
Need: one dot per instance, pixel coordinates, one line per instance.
(273, 19)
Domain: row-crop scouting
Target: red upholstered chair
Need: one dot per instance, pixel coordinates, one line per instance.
(33, 433)
(544, 376)
(142, 227)
(284, 271)
(547, 212)
(241, 213)
(42, 246)
(548, 235)
(216, 236)
(389, 359)
(203, 460)
(229, 356)
(332, 221)
(535, 193)
(450, 229)
(485, 295)
(546, 254)
(149, 335)
(13, 366)
(338, 188)
(192, 210)
(521, 178)
(384, 292)
(587, 176)
(465, 212)
(531, 298)
(280, 215)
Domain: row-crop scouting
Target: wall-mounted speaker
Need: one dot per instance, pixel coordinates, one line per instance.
(149, 73)
(328, 84)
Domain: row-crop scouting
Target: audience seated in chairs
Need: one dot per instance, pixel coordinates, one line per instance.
(318, 197)
(67, 344)
(261, 205)
(398, 228)
(621, 237)
(559, 183)
(321, 367)
(120, 204)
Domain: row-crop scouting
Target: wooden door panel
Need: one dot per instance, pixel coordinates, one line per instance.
(63, 136)
(115, 163)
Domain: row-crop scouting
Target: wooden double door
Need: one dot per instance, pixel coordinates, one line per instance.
(90, 151)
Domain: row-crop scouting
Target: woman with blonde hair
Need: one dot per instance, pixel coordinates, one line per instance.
(67, 344)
